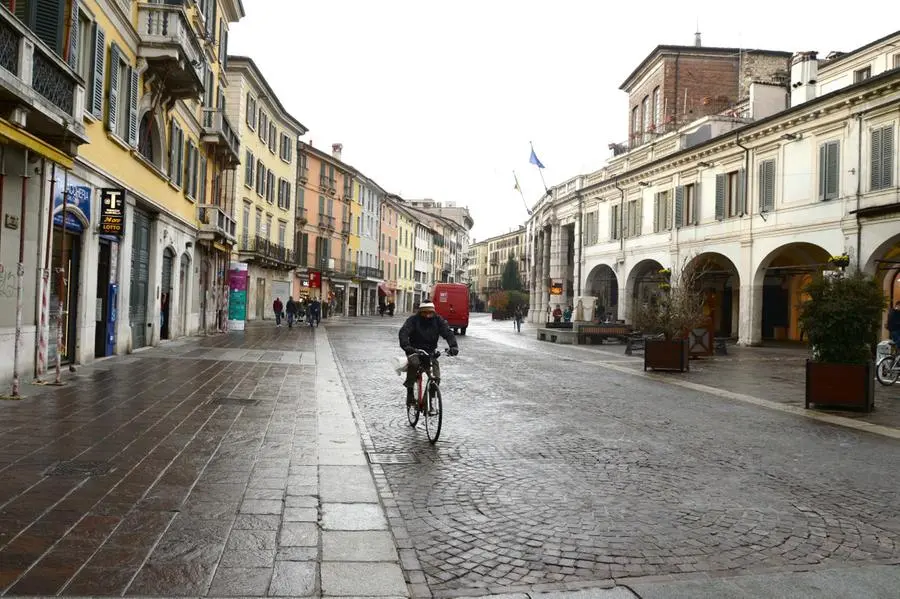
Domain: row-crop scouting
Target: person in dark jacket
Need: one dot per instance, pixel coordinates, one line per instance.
(422, 331)
(893, 323)
(291, 309)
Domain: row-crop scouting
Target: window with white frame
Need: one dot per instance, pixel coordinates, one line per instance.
(122, 97)
(881, 158)
(190, 169)
(730, 195)
(270, 187)
(896, 61)
(287, 148)
(282, 232)
(862, 74)
(590, 228)
(662, 212)
(263, 125)
(615, 215)
(248, 169)
(260, 179)
(176, 154)
(633, 218)
(273, 138)
(251, 112)
(829, 170)
(767, 185)
(284, 194)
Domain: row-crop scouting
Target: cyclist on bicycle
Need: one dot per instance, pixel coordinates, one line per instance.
(421, 331)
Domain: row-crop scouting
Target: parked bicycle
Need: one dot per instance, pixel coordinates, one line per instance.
(888, 369)
(428, 397)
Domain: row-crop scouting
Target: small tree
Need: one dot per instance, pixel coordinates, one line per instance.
(842, 316)
(677, 309)
(510, 279)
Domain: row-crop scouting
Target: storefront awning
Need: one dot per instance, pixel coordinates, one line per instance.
(36, 145)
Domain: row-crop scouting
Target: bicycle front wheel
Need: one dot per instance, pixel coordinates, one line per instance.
(887, 372)
(433, 413)
(412, 411)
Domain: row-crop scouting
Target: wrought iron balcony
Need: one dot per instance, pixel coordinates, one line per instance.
(215, 224)
(171, 48)
(303, 173)
(261, 250)
(40, 92)
(331, 186)
(345, 228)
(370, 272)
(220, 135)
(348, 194)
(301, 215)
(326, 222)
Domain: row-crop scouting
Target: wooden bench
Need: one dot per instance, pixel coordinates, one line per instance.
(561, 336)
(590, 333)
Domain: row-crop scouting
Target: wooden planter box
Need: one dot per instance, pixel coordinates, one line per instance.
(660, 354)
(840, 385)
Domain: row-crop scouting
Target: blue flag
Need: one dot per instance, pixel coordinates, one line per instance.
(534, 159)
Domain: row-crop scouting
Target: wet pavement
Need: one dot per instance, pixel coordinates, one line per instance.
(221, 466)
(561, 467)
(241, 465)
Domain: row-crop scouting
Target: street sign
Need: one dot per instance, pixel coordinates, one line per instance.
(112, 212)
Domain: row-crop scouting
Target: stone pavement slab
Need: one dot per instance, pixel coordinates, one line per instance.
(191, 469)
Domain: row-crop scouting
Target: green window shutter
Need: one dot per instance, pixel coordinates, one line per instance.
(770, 185)
(823, 172)
(679, 206)
(720, 197)
(74, 35)
(96, 102)
(133, 92)
(201, 182)
(112, 112)
(173, 141)
(832, 167)
(742, 200)
(887, 157)
(49, 22)
(876, 161)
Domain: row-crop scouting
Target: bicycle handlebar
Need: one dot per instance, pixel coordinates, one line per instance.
(437, 353)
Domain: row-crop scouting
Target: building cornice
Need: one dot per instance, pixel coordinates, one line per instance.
(247, 67)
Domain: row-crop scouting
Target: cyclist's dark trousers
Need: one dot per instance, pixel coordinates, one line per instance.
(412, 371)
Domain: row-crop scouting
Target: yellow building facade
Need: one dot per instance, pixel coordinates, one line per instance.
(265, 187)
(406, 257)
(142, 251)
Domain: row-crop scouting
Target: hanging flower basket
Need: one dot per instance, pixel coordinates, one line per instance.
(842, 261)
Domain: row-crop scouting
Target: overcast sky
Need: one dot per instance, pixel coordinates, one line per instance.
(440, 99)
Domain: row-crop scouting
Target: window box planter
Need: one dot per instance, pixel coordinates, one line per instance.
(840, 385)
(661, 354)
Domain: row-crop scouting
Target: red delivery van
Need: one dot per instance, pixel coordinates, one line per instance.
(451, 302)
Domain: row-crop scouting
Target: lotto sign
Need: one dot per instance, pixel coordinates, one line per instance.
(112, 212)
(315, 279)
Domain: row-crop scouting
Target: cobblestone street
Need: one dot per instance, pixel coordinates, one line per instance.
(554, 468)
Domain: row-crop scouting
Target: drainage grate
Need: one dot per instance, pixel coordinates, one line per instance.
(391, 458)
(81, 469)
(234, 401)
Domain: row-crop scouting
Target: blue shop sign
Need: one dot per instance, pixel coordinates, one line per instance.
(77, 197)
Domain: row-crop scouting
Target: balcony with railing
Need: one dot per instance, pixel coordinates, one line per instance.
(215, 224)
(328, 185)
(303, 173)
(171, 48)
(266, 253)
(41, 94)
(326, 222)
(370, 272)
(345, 228)
(302, 216)
(348, 194)
(219, 134)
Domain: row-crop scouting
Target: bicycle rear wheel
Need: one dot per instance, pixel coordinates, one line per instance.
(412, 412)
(433, 413)
(887, 372)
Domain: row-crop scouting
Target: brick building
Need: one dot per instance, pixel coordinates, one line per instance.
(675, 85)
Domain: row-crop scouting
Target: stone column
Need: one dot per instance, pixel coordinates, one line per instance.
(751, 300)
(532, 271)
(559, 264)
(545, 273)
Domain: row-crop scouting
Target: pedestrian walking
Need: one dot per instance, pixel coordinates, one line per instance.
(893, 324)
(518, 318)
(291, 309)
(277, 307)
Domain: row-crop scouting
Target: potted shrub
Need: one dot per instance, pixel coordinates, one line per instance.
(842, 319)
(668, 317)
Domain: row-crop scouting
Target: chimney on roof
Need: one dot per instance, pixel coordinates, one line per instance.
(336, 150)
(804, 76)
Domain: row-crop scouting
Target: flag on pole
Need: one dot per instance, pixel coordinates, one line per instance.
(517, 187)
(534, 159)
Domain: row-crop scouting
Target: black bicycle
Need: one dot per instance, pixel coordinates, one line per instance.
(428, 397)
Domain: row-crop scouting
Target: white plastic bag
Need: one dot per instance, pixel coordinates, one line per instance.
(401, 363)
